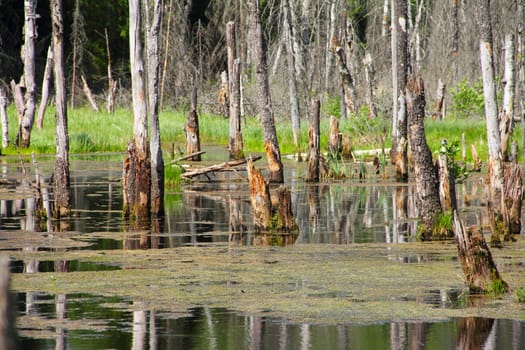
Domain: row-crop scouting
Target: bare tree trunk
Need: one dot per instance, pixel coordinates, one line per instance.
(292, 84)
(399, 80)
(496, 207)
(136, 181)
(335, 138)
(447, 185)
(271, 143)
(18, 96)
(89, 94)
(331, 34)
(455, 28)
(112, 84)
(513, 197)
(193, 143)
(260, 198)
(76, 41)
(166, 56)
(507, 117)
(4, 119)
(48, 72)
(24, 134)
(438, 106)
(369, 78)
(157, 163)
(235, 144)
(475, 258)
(385, 27)
(427, 184)
(61, 174)
(314, 149)
(347, 82)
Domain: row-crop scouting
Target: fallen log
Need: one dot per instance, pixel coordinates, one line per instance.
(218, 167)
(188, 156)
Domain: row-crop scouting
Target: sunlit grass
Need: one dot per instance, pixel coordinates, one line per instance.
(102, 132)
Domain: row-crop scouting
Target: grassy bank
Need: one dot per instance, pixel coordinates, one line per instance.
(102, 132)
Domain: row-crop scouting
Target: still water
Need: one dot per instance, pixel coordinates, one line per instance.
(199, 214)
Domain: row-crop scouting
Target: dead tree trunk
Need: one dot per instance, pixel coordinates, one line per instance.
(476, 260)
(347, 82)
(28, 117)
(89, 94)
(506, 123)
(46, 81)
(314, 149)
(235, 145)
(260, 198)
(4, 119)
(61, 174)
(496, 206)
(292, 83)
(427, 185)
(399, 79)
(271, 143)
(18, 96)
(369, 78)
(157, 162)
(440, 98)
(447, 185)
(136, 181)
(335, 138)
(193, 143)
(285, 218)
(112, 84)
(513, 198)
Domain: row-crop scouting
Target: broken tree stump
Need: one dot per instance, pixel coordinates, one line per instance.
(193, 144)
(260, 198)
(335, 138)
(513, 193)
(286, 221)
(476, 260)
(314, 148)
(447, 185)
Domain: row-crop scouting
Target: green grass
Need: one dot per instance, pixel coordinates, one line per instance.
(101, 132)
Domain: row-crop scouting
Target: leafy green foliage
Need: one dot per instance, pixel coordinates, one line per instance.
(451, 150)
(467, 99)
(519, 295)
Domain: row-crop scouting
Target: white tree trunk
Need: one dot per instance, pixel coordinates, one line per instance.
(507, 116)
(4, 119)
(48, 72)
(235, 144)
(28, 56)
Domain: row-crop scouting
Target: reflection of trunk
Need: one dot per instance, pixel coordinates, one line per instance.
(476, 260)
(61, 173)
(314, 209)
(312, 173)
(60, 309)
(139, 327)
(418, 337)
(271, 144)
(7, 312)
(237, 227)
(473, 332)
(255, 332)
(234, 84)
(427, 186)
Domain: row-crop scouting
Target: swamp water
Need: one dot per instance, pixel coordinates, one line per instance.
(353, 278)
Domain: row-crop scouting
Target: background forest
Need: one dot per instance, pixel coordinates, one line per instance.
(443, 44)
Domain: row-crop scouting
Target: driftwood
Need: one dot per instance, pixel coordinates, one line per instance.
(475, 259)
(189, 156)
(218, 167)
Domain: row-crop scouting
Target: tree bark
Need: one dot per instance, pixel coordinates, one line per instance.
(347, 82)
(292, 83)
(513, 198)
(260, 198)
(369, 78)
(475, 258)
(61, 174)
(399, 81)
(136, 181)
(193, 144)
(427, 184)
(235, 145)
(157, 162)
(335, 138)
(46, 81)
(18, 96)
(4, 118)
(24, 134)
(496, 207)
(286, 221)
(447, 185)
(166, 56)
(314, 149)
(438, 107)
(112, 84)
(271, 143)
(507, 116)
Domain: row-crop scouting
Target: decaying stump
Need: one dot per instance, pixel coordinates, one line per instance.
(193, 144)
(476, 260)
(335, 138)
(260, 198)
(513, 198)
(136, 182)
(285, 219)
(447, 185)
(314, 152)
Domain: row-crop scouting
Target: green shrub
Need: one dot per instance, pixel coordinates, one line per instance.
(467, 99)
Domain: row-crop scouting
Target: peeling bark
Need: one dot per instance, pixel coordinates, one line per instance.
(259, 198)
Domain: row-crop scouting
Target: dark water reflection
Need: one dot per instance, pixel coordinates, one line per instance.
(110, 323)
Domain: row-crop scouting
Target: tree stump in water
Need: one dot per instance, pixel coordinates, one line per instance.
(447, 185)
(193, 144)
(136, 182)
(476, 260)
(513, 198)
(286, 221)
(260, 198)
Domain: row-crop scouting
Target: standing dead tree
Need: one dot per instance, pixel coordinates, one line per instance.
(46, 81)
(136, 181)
(157, 163)
(28, 56)
(4, 119)
(271, 143)
(427, 183)
(193, 143)
(347, 82)
(235, 145)
(112, 83)
(88, 93)
(314, 148)
(399, 79)
(506, 124)
(61, 174)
